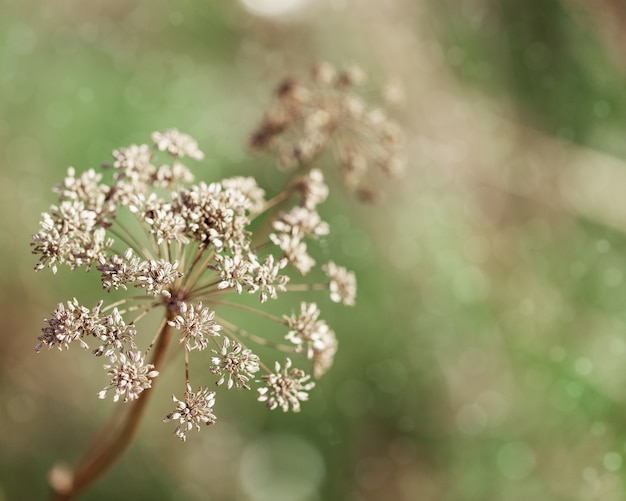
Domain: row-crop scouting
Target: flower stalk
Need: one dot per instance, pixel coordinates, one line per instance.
(110, 442)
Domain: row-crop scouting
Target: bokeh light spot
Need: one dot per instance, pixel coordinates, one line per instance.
(613, 277)
(471, 419)
(612, 461)
(515, 460)
(583, 366)
(281, 467)
(598, 428)
(274, 8)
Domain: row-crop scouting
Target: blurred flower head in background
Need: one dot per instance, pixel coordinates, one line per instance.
(322, 114)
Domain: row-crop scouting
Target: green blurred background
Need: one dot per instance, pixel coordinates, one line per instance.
(485, 359)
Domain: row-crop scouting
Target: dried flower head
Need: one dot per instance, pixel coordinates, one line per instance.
(68, 324)
(342, 284)
(129, 376)
(322, 112)
(313, 188)
(235, 365)
(116, 335)
(189, 251)
(313, 337)
(285, 388)
(195, 409)
(195, 324)
(177, 144)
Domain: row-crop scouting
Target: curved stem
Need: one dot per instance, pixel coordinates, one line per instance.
(282, 196)
(113, 439)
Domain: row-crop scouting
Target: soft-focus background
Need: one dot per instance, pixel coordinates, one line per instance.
(486, 356)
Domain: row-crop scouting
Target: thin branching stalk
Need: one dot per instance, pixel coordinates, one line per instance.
(111, 441)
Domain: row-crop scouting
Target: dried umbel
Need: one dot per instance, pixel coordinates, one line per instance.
(322, 113)
(189, 251)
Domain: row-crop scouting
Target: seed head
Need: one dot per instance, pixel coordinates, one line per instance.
(285, 388)
(195, 409)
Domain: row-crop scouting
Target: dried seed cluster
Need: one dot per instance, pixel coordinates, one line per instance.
(191, 251)
(322, 112)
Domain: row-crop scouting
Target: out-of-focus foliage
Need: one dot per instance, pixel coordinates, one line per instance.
(485, 357)
(546, 57)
